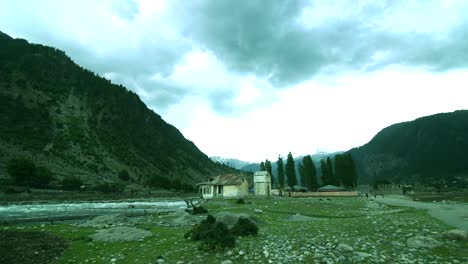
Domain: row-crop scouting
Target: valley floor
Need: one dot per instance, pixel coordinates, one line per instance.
(453, 214)
(291, 230)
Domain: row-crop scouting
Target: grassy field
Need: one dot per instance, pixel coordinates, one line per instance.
(460, 196)
(377, 235)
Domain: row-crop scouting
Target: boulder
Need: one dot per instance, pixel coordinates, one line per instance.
(344, 247)
(456, 234)
(258, 211)
(422, 242)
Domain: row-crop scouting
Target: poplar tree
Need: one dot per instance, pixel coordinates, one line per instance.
(280, 168)
(268, 166)
(290, 171)
(309, 175)
(325, 177)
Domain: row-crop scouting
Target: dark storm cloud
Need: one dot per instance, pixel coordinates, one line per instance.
(286, 41)
(266, 38)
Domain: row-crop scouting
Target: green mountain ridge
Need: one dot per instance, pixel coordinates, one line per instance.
(431, 149)
(76, 123)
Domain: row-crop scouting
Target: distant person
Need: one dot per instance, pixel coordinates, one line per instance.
(367, 195)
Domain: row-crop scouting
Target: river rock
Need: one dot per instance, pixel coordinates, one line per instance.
(456, 234)
(422, 242)
(344, 247)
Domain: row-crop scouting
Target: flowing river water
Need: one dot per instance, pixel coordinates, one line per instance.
(76, 210)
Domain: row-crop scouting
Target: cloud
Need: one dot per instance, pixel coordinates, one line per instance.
(274, 77)
(295, 40)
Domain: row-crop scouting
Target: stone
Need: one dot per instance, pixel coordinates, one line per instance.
(364, 255)
(258, 211)
(422, 242)
(456, 234)
(344, 247)
(227, 262)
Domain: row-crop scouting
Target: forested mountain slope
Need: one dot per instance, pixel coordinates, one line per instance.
(77, 123)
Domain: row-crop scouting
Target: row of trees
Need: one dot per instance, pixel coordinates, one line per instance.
(340, 172)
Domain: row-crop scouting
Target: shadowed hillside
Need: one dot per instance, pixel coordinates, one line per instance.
(432, 149)
(77, 123)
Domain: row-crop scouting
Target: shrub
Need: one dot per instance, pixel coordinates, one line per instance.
(213, 235)
(159, 181)
(198, 210)
(21, 170)
(123, 175)
(244, 227)
(240, 201)
(71, 183)
(24, 172)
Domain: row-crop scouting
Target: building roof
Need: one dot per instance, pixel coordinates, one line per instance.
(262, 173)
(330, 188)
(225, 179)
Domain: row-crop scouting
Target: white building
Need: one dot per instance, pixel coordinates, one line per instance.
(227, 185)
(262, 183)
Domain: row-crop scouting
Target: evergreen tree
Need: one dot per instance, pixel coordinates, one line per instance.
(290, 171)
(324, 170)
(280, 168)
(300, 168)
(268, 166)
(309, 175)
(331, 174)
(340, 169)
(350, 167)
(345, 171)
(262, 166)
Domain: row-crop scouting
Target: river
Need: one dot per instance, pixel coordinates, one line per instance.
(75, 210)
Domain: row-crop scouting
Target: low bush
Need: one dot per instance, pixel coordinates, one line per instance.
(240, 201)
(72, 183)
(244, 227)
(198, 210)
(215, 235)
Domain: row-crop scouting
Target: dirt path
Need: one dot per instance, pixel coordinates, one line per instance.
(455, 215)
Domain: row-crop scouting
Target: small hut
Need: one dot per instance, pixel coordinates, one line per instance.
(227, 185)
(262, 183)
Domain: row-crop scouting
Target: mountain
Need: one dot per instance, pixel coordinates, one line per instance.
(430, 149)
(76, 123)
(233, 163)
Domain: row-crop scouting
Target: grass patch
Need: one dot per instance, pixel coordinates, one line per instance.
(381, 233)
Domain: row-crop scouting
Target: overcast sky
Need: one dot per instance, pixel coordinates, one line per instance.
(255, 79)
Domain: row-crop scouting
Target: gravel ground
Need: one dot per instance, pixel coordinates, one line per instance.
(453, 214)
